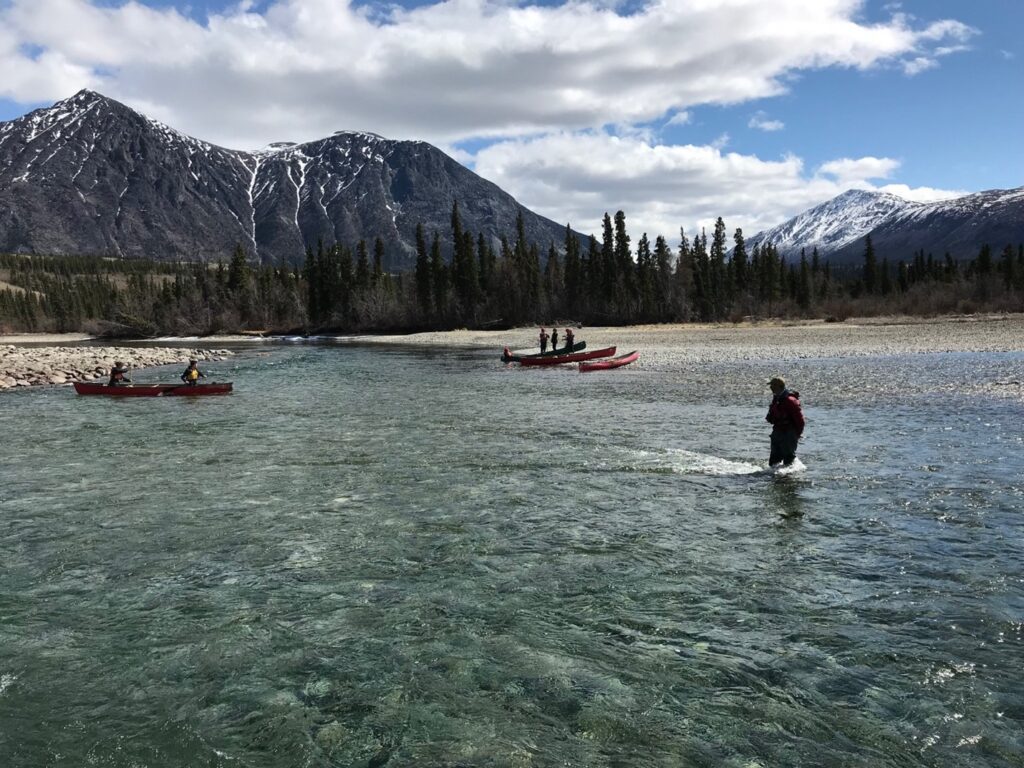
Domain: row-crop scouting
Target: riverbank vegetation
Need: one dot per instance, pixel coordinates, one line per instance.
(461, 279)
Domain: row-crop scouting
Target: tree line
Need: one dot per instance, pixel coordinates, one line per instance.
(464, 279)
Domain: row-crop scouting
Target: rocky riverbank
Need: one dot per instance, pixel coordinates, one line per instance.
(693, 344)
(41, 366)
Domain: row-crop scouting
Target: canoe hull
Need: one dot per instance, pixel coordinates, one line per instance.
(615, 362)
(153, 390)
(575, 357)
(579, 346)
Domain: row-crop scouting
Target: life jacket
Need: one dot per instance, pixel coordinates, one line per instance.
(785, 412)
(192, 374)
(117, 374)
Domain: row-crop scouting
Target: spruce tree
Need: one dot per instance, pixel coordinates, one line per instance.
(573, 272)
(362, 268)
(870, 275)
(739, 262)
(438, 278)
(424, 281)
(718, 289)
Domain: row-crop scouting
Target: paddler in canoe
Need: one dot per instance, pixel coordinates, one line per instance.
(192, 374)
(118, 375)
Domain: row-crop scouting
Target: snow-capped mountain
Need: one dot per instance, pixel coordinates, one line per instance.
(959, 226)
(90, 175)
(900, 227)
(834, 224)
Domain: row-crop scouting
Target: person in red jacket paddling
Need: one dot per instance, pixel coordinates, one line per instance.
(118, 375)
(787, 420)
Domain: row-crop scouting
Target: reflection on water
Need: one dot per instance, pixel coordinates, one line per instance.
(371, 557)
(785, 495)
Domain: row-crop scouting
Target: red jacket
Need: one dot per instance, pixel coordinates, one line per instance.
(785, 412)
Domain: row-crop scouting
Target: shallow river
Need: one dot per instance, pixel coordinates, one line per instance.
(398, 557)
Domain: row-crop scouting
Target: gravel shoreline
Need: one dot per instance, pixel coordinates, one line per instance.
(661, 345)
(41, 366)
(710, 343)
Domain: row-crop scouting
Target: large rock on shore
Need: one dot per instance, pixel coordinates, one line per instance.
(37, 366)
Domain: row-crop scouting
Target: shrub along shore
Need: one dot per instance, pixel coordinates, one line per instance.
(22, 366)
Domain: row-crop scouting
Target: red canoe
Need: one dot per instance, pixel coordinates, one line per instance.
(615, 362)
(575, 357)
(152, 390)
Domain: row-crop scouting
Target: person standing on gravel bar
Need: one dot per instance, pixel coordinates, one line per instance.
(787, 420)
(554, 338)
(543, 341)
(569, 340)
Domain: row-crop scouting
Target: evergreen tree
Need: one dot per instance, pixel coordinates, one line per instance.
(1006, 265)
(378, 261)
(238, 270)
(663, 279)
(624, 287)
(804, 294)
(573, 272)
(718, 289)
(606, 271)
(739, 262)
(424, 273)
(885, 283)
(362, 268)
(438, 278)
(870, 267)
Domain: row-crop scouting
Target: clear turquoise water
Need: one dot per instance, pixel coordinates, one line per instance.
(396, 557)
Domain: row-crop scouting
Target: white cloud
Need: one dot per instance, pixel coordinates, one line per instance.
(544, 82)
(922, 194)
(721, 142)
(577, 177)
(849, 171)
(762, 122)
(918, 65)
(299, 69)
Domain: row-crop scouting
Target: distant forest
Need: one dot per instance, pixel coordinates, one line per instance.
(460, 280)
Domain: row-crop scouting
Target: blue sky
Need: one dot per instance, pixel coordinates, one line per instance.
(570, 107)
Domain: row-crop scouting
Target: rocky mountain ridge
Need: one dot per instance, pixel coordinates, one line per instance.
(900, 227)
(92, 176)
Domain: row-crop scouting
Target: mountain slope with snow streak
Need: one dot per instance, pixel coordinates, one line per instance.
(899, 228)
(89, 175)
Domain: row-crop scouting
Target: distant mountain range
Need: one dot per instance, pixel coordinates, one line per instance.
(900, 227)
(92, 176)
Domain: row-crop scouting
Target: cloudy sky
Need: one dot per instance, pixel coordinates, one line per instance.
(675, 111)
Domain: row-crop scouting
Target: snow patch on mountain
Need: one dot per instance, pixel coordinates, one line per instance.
(835, 223)
(91, 175)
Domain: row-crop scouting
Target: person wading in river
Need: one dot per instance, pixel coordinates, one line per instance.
(569, 340)
(787, 420)
(543, 341)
